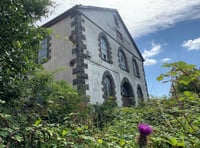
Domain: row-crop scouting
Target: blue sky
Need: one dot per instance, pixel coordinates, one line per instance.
(164, 31)
(170, 45)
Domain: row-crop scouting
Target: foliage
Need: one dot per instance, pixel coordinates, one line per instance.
(172, 127)
(19, 40)
(32, 122)
(183, 76)
(102, 113)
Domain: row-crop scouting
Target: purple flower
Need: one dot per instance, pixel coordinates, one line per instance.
(144, 129)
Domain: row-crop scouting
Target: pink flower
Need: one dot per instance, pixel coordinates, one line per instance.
(144, 129)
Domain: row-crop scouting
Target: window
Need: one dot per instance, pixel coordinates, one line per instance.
(135, 68)
(104, 48)
(119, 36)
(44, 50)
(116, 21)
(122, 60)
(108, 86)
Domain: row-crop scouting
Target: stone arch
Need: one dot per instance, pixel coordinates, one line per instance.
(122, 59)
(128, 98)
(104, 48)
(135, 68)
(140, 95)
(108, 86)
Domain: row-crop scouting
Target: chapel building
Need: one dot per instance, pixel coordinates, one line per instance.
(101, 57)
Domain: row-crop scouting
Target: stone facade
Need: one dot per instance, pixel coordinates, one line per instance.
(101, 58)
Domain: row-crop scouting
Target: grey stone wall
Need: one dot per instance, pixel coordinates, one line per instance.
(97, 66)
(75, 46)
(61, 51)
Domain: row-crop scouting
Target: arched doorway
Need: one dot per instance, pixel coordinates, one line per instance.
(127, 94)
(140, 94)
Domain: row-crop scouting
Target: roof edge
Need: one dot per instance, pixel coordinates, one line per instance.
(70, 11)
(76, 7)
(132, 40)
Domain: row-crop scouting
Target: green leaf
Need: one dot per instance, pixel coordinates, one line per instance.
(181, 144)
(122, 142)
(87, 138)
(187, 93)
(2, 101)
(160, 78)
(64, 132)
(37, 122)
(100, 141)
(173, 140)
(18, 138)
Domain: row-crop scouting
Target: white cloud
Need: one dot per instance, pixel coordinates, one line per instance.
(166, 60)
(192, 44)
(149, 54)
(155, 50)
(143, 16)
(149, 62)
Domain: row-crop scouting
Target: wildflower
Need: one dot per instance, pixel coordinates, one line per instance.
(144, 130)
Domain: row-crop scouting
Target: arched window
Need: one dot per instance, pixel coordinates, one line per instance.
(116, 21)
(104, 48)
(135, 68)
(140, 94)
(128, 98)
(122, 60)
(108, 86)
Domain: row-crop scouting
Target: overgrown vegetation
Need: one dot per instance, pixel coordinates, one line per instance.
(19, 43)
(36, 111)
(63, 120)
(175, 122)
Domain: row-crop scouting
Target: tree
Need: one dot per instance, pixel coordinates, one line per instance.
(19, 40)
(183, 77)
